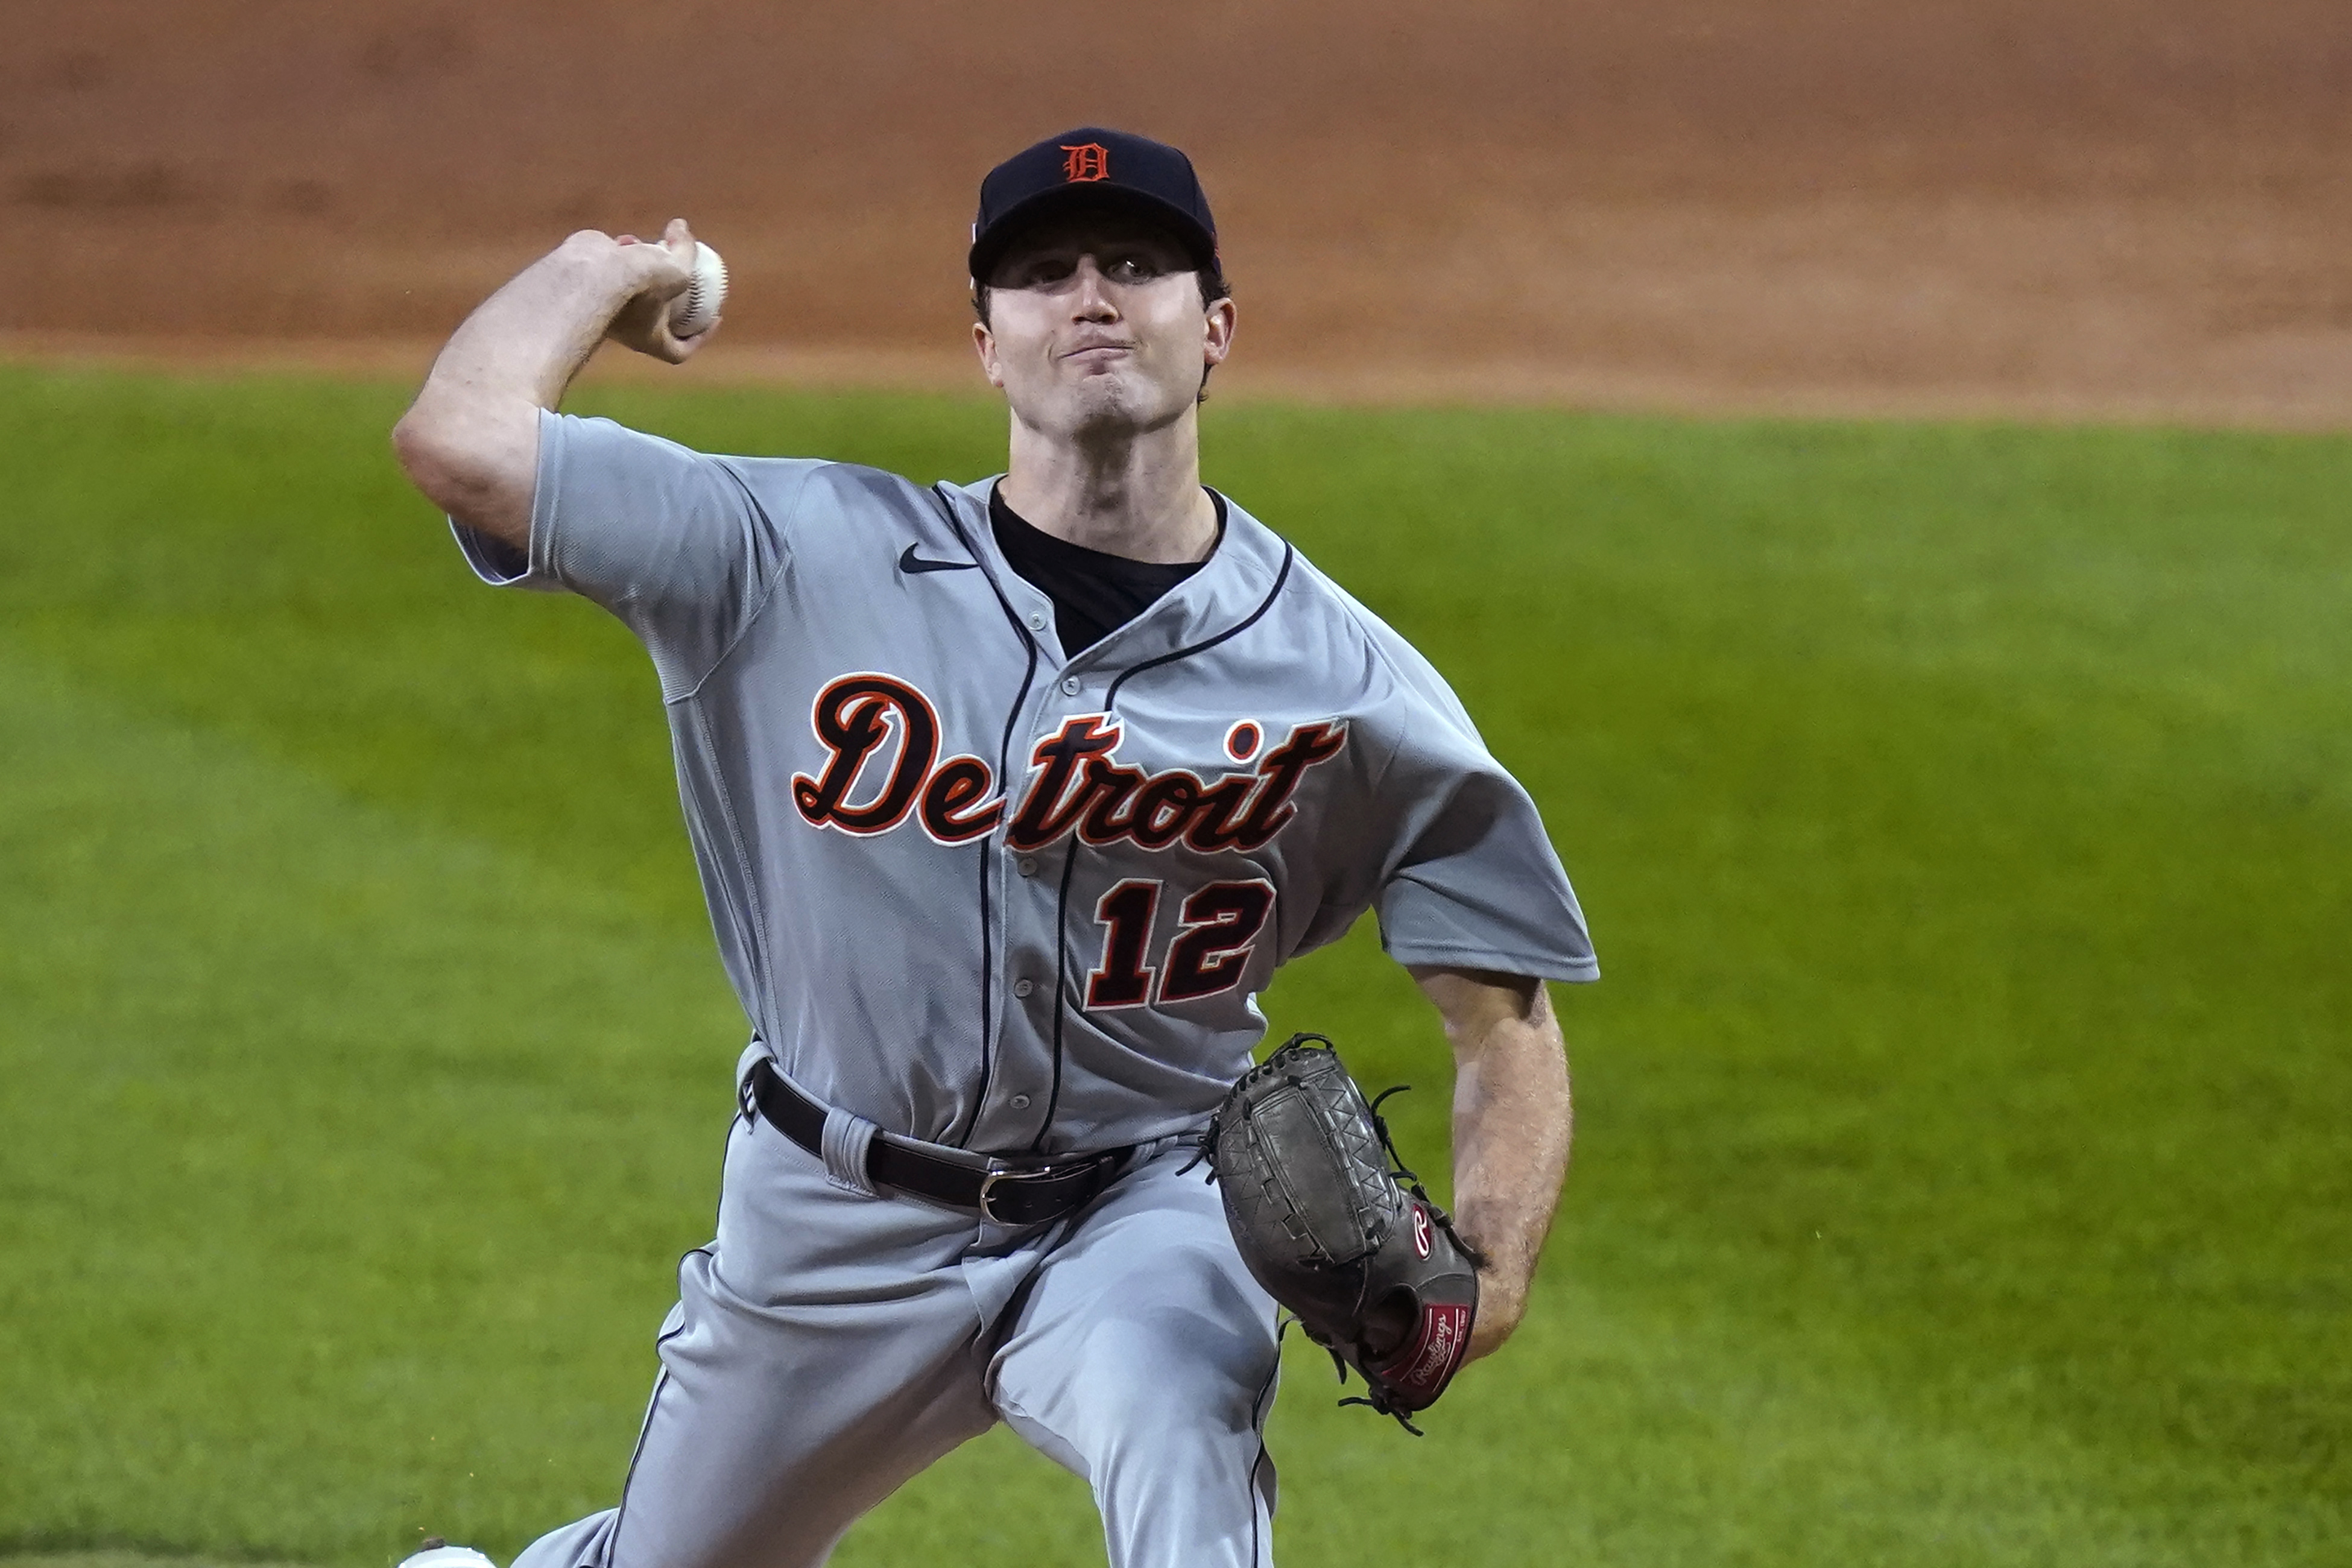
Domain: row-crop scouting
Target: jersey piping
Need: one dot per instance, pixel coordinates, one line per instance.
(1070, 861)
(767, 592)
(961, 1137)
(1111, 698)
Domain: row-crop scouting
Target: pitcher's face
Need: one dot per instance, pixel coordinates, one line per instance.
(1096, 325)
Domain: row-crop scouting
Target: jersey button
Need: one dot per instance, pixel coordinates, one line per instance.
(1022, 989)
(1036, 620)
(1069, 686)
(1020, 1102)
(1027, 865)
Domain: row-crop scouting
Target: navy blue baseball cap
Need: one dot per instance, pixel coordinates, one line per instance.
(1087, 166)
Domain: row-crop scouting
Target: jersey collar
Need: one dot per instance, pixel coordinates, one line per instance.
(1230, 587)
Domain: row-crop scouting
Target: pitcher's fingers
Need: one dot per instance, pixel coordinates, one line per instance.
(660, 269)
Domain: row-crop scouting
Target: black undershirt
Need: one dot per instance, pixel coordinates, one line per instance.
(1094, 593)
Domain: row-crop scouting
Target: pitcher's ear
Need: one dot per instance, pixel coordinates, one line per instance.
(984, 343)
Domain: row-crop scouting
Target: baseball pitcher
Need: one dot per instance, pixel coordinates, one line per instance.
(1009, 798)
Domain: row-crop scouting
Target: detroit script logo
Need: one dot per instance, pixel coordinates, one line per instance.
(1077, 783)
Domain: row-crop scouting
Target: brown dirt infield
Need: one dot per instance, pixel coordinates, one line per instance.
(2102, 207)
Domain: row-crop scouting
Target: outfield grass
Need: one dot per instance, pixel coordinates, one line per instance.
(1965, 816)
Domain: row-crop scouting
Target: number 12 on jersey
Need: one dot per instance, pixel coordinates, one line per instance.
(1208, 953)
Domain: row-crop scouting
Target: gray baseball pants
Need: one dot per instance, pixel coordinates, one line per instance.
(828, 1346)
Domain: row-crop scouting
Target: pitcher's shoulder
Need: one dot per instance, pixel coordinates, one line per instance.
(1310, 593)
(845, 487)
(1353, 638)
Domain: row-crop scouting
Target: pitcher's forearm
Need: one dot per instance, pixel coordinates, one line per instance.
(470, 441)
(529, 339)
(1511, 1127)
(1511, 1131)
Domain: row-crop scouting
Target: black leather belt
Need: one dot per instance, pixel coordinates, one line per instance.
(1011, 1193)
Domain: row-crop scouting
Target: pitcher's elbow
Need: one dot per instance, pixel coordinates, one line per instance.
(474, 460)
(425, 454)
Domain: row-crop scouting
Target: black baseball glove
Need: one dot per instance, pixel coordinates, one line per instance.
(1338, 1231)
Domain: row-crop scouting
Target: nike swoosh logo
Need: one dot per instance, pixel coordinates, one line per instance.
(910, 561)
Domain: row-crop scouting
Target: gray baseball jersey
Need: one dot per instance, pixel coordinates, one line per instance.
(976, 893)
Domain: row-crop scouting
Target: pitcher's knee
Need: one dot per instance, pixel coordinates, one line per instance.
(1176, 1375)
(1179, 1498)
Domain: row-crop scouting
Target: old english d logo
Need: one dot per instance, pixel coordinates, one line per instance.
(1086, 161)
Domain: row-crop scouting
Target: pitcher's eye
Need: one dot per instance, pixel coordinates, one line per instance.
(1044, 270)
(1133, 269)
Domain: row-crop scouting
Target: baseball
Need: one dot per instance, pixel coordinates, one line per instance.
(692, 313)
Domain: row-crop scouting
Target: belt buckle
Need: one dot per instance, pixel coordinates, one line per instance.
(1000, 1172)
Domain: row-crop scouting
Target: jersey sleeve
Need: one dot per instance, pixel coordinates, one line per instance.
(1472, 880)
(677, 543)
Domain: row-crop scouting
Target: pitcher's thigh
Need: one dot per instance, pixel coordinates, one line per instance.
(771, 1432)
(1144, 1360)
(823, 1352)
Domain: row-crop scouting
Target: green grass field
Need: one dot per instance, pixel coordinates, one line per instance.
(1963, 1171)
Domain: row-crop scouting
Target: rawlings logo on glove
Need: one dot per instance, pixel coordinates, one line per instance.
(1338, 1230)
